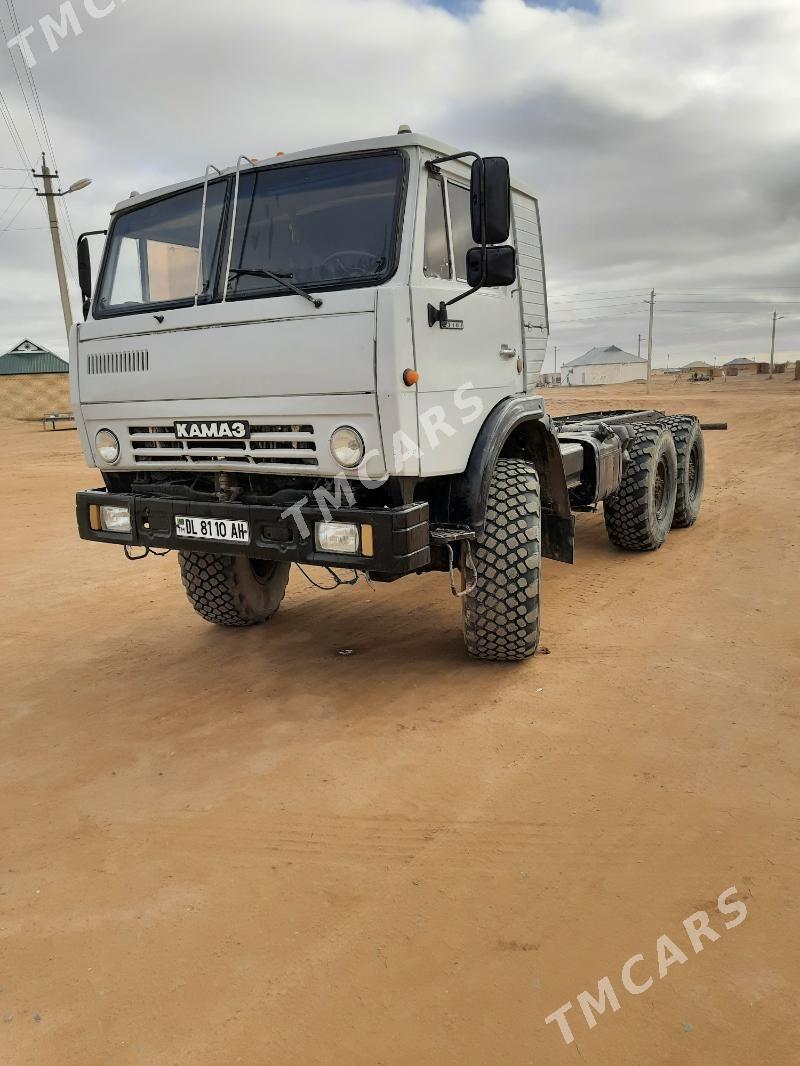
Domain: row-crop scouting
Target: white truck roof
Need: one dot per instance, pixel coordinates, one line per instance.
(399, 140)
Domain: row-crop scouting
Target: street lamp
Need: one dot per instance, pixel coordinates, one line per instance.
(76, 186)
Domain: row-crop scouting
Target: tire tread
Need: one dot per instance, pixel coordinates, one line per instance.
(213, 589)
(626, 512)
(501, 617)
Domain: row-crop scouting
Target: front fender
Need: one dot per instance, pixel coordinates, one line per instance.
(517, 428)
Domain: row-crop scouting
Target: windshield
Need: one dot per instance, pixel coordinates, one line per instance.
(319, 224)
(326, 224)
(153, 254)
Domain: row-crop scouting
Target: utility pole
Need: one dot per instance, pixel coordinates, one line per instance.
(555, 360)
(50, 196)
(652, 302)
(639, 349)
(775, 317)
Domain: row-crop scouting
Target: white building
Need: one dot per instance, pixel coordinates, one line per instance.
(604, 366)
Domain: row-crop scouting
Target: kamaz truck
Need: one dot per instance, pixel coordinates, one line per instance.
(330, 359)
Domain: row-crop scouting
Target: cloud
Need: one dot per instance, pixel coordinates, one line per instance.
(661, 139)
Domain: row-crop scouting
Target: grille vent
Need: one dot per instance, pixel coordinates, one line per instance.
(131, 362)
(274, 446)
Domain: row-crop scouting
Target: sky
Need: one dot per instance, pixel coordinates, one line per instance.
(662, 138)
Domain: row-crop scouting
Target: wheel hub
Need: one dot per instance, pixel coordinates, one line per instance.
(660, 489)
(693, 471)
(262, 569)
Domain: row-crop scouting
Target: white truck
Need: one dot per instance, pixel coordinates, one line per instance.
(330, 359)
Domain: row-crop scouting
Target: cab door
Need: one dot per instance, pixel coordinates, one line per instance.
(480, 353)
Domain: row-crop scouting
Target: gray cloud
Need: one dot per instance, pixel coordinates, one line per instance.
(661, 138)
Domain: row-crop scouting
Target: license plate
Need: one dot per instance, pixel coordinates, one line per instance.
(226, 529)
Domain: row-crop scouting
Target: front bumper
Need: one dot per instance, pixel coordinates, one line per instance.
(400, 535)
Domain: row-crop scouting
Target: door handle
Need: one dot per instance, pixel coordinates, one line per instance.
(507, 352)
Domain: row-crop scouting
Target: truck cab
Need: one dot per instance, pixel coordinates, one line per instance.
(175, 334)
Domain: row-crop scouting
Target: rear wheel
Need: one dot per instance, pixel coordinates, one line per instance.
(639, 514)
(233, 590)
(688, 437)
(501, 614)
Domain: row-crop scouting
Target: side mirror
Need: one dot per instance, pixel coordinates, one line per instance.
(491, 267)
(490, 196)
(85, 268)
(85, 274)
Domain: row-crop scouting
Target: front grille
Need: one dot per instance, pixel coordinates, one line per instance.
(130, 362)
(275, 446)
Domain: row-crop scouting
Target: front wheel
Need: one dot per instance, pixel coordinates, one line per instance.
(233, 590)
(501, 614)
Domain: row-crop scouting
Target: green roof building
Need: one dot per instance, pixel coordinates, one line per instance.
(33, 382)
(30, 358)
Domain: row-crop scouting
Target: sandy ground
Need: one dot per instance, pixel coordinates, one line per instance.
(240, 847)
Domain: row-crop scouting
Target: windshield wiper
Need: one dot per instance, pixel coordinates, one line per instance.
(282, 279)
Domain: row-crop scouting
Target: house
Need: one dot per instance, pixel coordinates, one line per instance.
(698, 369)
(604, 366)
(33, 382)
(743, 366)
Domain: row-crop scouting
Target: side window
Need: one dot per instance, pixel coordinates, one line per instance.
(461, 223)
(155, 250)
(127, 286)
(437, 250)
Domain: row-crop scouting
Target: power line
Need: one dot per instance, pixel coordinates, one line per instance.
(731, 301)
(31, 82)
(73, 252)
(10, 205)
(19, 82)
(40, 111)
(589, 307)
(19, 212)
(594, 318)
(600, 292)
(16, 139)
(594, 299)
(738, 288)
(709, 293)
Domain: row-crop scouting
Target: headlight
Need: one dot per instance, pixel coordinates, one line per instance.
(337, 537)
(107, 446)
(347, 446)
(115, 519)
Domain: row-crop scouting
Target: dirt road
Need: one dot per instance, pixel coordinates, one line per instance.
(241, 847)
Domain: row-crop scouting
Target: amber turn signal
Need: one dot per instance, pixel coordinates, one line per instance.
(411, 377)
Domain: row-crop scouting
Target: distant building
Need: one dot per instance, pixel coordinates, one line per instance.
(33, 382)
(742, 366)
(604, 366)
